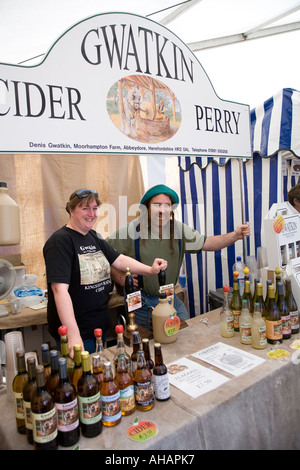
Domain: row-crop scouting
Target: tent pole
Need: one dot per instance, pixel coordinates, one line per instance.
(243, 210)
(279, 177)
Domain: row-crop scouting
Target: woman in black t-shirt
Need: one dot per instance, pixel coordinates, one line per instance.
(78, 264)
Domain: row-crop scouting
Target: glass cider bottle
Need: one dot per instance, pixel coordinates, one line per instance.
(28, 391)
(258, 328)
(245, 323)
(77, 371)
(53, 378)
(64, 347)
(236, 302)
(65, 399)
(160, 375)
(143, 389)
(89, 400)
(136, 340)
(46, 360)
(121, 349)
(292, 306)
(17, 386)
(247, 296)
(110, 396)
(284, 312)
(273, 319)
(43, 414)
(125, 383)
(226, 316)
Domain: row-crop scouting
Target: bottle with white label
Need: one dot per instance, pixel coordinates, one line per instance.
(245, 324)
(160, 375)
(226, 316)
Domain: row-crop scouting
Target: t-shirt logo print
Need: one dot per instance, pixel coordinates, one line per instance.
(94, 268)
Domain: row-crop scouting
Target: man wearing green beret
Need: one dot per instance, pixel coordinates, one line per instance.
(156, 233)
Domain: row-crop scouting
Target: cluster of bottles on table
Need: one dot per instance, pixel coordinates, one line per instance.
(260, 320)
(62, 398)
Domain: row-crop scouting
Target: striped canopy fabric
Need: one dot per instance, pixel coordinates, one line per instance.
(217, 195)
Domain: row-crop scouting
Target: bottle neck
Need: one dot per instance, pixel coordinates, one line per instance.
(107, 373)
(40, 377)
(158, 356)
(64, 346)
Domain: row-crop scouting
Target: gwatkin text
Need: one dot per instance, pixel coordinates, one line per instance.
(143, 49)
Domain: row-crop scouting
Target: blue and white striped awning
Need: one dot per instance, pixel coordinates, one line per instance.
(217, 195)
(275, 125)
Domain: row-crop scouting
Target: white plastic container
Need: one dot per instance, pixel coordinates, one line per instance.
(9, 218)
(239, 267)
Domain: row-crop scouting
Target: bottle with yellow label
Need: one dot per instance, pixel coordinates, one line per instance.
(273, 319)
(258, 329)
(245, 324)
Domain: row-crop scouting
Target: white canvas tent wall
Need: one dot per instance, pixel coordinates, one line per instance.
(224, 193)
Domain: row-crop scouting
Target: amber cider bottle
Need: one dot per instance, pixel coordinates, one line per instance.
(136, 341)
(110, 397)
(28, 391)
(65, 400)
(43, 414)
(143, 389)
(125, 383)
(89, 400)
(147, 354)
(18, 385)
(160, 375)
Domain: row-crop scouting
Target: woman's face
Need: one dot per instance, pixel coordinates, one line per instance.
(84, 216)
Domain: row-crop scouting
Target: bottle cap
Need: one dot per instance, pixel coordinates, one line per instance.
(246, 270)
(235, 274)
(162, 295)
(119, 329)
(226, 288)
(62, 330)
(98, 332)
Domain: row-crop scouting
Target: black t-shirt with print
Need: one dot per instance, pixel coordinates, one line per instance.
(83, 262)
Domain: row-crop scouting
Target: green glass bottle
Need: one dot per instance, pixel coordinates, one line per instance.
(248, 297)
(28, 391)
(284, 312)
(89, 400)
(273, 319)
(236, 302)
(292, 306)
(18, 385)
(260, 299)
(64, 348)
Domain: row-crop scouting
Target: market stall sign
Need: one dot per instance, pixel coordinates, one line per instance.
(118, 83)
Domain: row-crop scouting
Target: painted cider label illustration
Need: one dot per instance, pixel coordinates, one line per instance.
(140, 431)
(172, 325)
